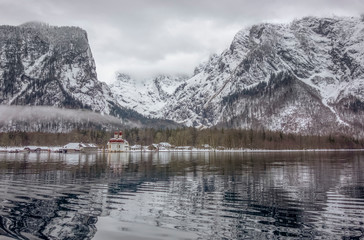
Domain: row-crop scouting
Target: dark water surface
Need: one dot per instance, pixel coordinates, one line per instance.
(301, 195)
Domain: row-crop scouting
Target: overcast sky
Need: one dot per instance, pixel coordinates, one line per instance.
(148, 37)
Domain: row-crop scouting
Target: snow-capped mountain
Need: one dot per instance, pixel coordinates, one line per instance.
(42, 65)
(147, 97)
(46, 65)
(306, 76)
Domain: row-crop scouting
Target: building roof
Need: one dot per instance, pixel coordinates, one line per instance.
(72, 146)
(165, 144)
(77, 146)
(89, 145)
(116, 140)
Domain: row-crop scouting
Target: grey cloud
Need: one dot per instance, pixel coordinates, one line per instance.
(125, 33)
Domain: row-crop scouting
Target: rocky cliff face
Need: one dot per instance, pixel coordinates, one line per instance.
(307, 77)
(45, 65)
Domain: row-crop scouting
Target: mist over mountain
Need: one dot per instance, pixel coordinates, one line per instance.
(57, 120)
(303, 77)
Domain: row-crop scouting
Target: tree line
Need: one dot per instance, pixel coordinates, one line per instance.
(188, 136)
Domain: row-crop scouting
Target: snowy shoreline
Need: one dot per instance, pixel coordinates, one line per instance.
(56, 149)
(252, 150)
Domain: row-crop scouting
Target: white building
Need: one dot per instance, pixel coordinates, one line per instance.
(88, 147)
(71, 147)
(78, 147)
(117, 143)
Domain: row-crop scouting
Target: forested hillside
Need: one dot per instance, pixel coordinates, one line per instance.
(226, 138)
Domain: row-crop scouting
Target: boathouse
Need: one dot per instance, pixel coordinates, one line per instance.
(78, 147)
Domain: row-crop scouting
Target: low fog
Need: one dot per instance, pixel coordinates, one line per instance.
(40, 118)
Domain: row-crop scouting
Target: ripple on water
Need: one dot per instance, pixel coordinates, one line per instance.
(232, 196)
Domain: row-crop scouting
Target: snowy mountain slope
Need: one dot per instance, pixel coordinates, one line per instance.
(148, 97)
(45, 65)
(322, 57)
(42, 65)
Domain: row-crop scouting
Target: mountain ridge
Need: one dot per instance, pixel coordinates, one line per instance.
(311, 68)
(305, 77)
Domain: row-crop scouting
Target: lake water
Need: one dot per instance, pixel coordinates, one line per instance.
(292, 195)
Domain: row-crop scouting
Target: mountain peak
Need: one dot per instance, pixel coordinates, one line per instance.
(123, 77)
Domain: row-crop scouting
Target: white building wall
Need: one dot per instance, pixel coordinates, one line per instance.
(118, 146)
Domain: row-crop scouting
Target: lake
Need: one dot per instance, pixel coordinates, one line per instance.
(202, 195)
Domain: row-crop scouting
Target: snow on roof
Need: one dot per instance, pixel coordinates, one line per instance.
(79, 145)
(136, 147)
(165, 144)
(72, 146)
(88, 145)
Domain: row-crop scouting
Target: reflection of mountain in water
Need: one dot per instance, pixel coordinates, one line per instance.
(42, 196)
(60, 196)
(227, 195)
(353, 191)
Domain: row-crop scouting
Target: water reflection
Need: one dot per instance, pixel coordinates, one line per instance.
(182, 195)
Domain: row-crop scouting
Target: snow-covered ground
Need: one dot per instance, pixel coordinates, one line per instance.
(24, 149)
(13, 149)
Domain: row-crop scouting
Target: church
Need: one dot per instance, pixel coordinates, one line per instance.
(117, 143)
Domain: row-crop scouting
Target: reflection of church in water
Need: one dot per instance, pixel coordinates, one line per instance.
(117, 143)
(116, 161)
